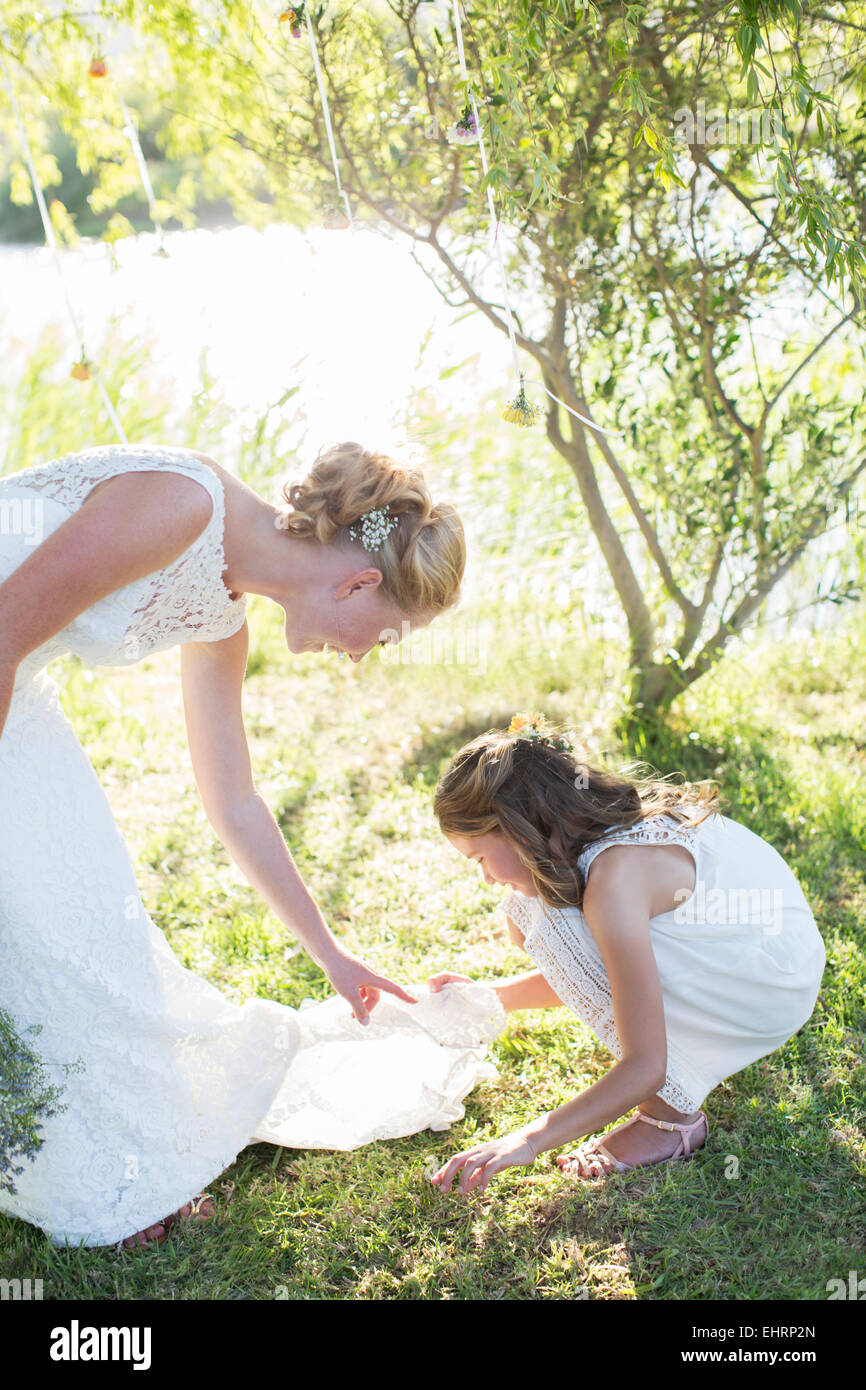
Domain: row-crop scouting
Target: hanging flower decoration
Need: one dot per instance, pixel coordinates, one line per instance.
(98, 68)
(520, 411)
(293, 17)
(81, 370)
(335, 220)
(464, 131)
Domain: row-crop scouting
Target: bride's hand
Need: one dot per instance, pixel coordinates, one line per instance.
(360, 985)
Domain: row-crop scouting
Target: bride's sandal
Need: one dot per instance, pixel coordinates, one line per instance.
(196, 1211)
(150, 1243)
(590, 1154)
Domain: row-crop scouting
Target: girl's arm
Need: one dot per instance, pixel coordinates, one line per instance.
(617, 909)
(520, 992)
(212, 677)
(530, 991)
(617, 906)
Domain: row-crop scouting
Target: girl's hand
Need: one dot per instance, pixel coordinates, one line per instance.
(445, 977)
(480, 1164)
(360, 985)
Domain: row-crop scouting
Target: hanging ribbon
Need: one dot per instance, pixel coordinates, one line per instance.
(327, 114)
(131, 133)
(494, 232)
(51, 241)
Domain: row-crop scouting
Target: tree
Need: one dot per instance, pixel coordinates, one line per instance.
(661, 188)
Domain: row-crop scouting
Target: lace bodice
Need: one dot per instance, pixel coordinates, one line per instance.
(658, 830)
(185, 601)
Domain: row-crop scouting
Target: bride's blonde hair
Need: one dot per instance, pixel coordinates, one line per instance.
(422, 559)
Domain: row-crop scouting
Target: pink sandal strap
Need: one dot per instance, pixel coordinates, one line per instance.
(685, 1130)
(586, 1155)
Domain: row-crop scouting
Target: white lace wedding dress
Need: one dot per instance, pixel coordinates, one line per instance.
(740, 961)
(175, 1079)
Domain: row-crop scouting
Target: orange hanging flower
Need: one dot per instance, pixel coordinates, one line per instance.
(293, 18)
(98, 68)
(81, 370)
(335, 220)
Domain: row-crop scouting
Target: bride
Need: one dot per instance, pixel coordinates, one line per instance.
(114, 553)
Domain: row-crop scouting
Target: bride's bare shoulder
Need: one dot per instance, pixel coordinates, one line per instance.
(186, 498)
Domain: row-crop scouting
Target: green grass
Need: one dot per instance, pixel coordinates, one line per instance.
(347, 758)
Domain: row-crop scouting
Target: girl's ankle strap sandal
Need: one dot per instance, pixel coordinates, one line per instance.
(592, 1153)
(685, 1130)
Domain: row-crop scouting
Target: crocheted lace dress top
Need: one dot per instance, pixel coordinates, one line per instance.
(185, 601)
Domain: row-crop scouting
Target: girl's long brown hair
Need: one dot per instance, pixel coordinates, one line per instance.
(526, 788)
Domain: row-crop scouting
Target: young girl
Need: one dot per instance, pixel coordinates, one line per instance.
(688, 947)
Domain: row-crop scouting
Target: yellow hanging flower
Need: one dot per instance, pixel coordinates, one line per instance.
(520, 411)
(98, 68)
(81, 370)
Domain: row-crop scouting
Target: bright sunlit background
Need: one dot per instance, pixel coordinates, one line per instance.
(352, 309)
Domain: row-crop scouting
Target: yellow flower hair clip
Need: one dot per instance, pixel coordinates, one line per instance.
(529, 726)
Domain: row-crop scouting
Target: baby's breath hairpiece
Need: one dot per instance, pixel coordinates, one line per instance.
(527, 726)
(375, 526)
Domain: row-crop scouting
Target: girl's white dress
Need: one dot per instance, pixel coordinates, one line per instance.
(174, 1079)
(739, 961)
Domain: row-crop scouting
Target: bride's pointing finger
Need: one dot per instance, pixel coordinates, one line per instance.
(389, 985)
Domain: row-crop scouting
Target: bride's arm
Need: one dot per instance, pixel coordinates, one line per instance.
(131, 525)
(7, 682)
(212, 675)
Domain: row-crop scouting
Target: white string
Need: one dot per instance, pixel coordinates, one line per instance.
(327, 114)
(51, 241)
(131, 134)
(494, 231)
